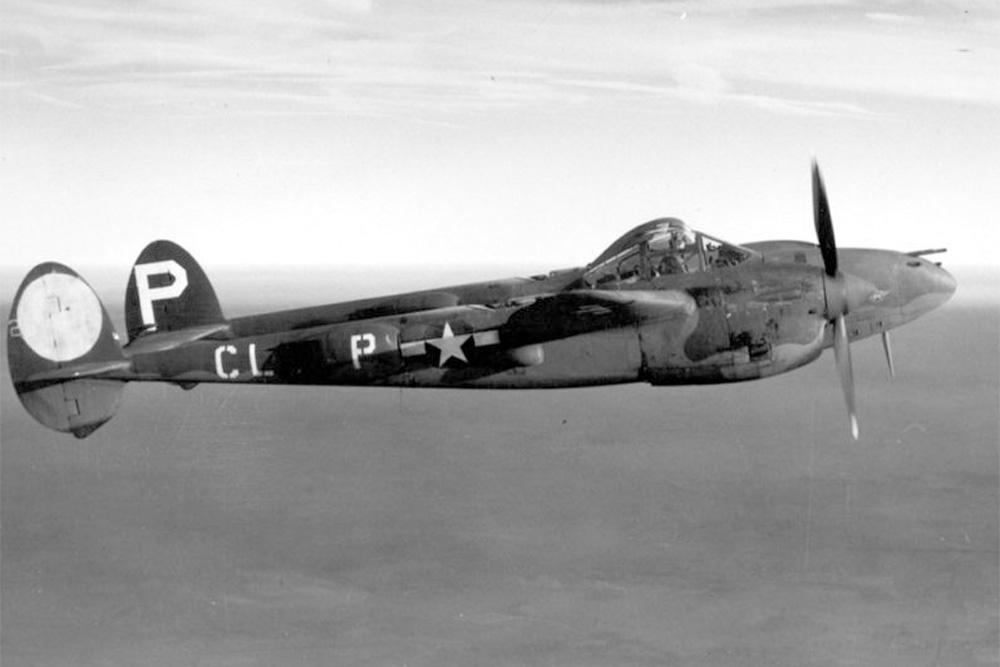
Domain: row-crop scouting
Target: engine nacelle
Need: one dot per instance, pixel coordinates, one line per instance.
(739, 333)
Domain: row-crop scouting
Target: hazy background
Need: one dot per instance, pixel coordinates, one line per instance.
(342, 131)
(727, 525)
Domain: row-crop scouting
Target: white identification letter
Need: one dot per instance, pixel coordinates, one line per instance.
(361, 344)
(219, 368)
(147, 294)
(252, 353)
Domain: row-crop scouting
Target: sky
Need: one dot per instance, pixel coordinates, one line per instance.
(485, 132)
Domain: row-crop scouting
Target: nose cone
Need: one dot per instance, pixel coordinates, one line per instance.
(905, 287)
(923, 286)
(944, 283)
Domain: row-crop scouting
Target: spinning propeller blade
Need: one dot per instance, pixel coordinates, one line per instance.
(823, 222)
(842, 355)
(838, 293)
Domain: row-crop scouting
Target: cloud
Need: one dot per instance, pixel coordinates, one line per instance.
(172, 47)
(889, 17)
(438, 59)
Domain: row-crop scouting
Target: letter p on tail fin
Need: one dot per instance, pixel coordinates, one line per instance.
(65, 358)
(168, 291)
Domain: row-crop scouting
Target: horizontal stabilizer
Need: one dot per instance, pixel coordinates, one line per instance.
(75, 372)
(168, 340)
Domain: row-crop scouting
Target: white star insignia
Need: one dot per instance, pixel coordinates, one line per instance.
(450, 345)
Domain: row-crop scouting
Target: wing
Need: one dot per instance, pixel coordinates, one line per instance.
(575, 313)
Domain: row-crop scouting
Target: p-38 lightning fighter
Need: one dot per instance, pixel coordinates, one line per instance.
(664, 304)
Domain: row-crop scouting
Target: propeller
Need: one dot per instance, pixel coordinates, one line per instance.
(842, 291)
(824, 223)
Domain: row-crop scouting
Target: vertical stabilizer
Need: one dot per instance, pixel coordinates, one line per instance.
(167, 291)
(63, 351)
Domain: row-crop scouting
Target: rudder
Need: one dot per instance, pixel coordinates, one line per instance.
(167, 291)
(61, 346)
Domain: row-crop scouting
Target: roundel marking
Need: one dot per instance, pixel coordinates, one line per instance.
(59, 317)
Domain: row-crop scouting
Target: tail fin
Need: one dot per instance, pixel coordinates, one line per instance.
(61, 348)
(168, 291)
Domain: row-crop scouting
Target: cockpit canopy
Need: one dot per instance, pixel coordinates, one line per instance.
(662, 247)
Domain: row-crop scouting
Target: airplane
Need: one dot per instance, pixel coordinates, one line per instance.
(664, 304)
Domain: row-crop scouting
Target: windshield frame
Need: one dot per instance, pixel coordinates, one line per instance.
(665, 246)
